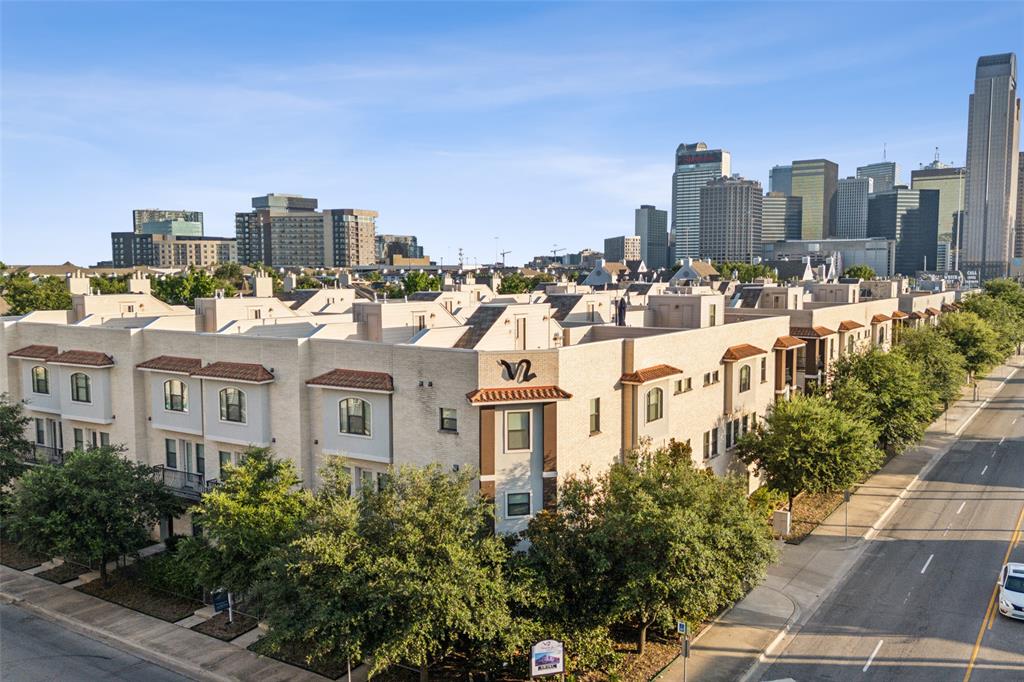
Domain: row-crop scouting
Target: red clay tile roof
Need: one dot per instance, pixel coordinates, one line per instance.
(816, 332)
(880, 318)
(786, 342)
(87, 358)
(741, 352)
(948, 307)
(34, 352)
(235, 371)
(354, 378)
(917, 316)
(171, 363)
(898, 314)
(642, 376)
(932, 311)
(849, 325)
(517, 394)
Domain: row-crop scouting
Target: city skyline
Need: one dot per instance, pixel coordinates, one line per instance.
(516, 135)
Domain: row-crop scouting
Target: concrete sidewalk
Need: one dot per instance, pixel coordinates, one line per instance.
(175, 648)
(737, 642)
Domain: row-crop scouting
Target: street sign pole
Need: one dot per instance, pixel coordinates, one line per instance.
(846, 514)
(231, 608)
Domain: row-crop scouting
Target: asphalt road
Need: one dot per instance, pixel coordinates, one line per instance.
(33, 650)
(916, 606)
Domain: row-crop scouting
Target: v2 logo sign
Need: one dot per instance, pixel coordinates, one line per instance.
(518, 371)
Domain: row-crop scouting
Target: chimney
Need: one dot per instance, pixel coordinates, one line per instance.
(139, 283)
(262, 285)
(291, 282)
(78, 284)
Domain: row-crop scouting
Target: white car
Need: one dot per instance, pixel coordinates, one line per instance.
(1011, 591)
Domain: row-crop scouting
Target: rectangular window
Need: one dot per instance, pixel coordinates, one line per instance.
(40, 432)
(517, 504)
(200, 459)
(707, 378)
(714, 442)
(40, 380)
(728, 434)
(677, 387)
(348, 475)
(171, 453)
(382, 480)
(449, 419)
(687, 384)
(764, 370)
(79, 439)
(104, 439)
(520, 333)
(595, 416)
(225, 459)
(746, 423)
(707, 444)
(517, 431)
(93, 438)
(365, 479)
(712, 315)
(80, 390)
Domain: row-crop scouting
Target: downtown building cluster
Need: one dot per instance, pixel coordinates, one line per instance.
(524, 389)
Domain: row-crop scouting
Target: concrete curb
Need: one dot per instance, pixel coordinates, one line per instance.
(181, 667)
(795, 624)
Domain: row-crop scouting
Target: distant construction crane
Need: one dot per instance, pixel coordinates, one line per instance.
(555, 251)
(503, 254)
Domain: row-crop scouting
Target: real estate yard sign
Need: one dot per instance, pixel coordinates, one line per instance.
(547, 658)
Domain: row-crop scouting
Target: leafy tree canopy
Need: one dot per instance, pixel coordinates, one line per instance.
(25, 295)
(745, 272)
(13, 444)
(941, 365)
(974, 339)
(860, 271)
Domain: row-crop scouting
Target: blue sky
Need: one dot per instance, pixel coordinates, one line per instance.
(539, 124)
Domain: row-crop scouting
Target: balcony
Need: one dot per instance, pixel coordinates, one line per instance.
(43, 454)
(183, 483)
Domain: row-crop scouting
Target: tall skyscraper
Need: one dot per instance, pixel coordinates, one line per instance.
(730, 219)
(388, 245)
(852, 207)
(910, 217)
(695, 166)
(949, 181)
(621, 249)
(254, 229)
(780, 179)
(815, 181)
(1018, 245)
(885, 174)
(141, 216)
(780, 217)
(652, 228)
(350, 237)
(993, 142)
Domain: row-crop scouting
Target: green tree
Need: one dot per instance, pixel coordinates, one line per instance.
(95, 507)
(942, 367)
(307, 282)
(746, 272)
(860, 272)
(418, 280)
(518, 283)
(974, 339)
(256, 510)
(109, 285)
(410, 574)
(1007, 290)
(888, 390)
(185, 288)
(1002, 315)
(25, 295)
(810, 444)
(13, 445)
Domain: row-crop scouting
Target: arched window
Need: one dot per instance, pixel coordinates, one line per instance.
(40, 380)
(232, 405)
(175, 396)
(81, 388)
(744, 378)
(655, 405)
(354, 416)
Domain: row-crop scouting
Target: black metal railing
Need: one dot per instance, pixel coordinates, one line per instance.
(184, 483)
(44, 454)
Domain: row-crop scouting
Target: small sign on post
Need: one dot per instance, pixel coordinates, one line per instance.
(681, 627)
(547, 658)
(222, 601)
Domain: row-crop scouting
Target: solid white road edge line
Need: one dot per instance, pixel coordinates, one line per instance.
(872, 657)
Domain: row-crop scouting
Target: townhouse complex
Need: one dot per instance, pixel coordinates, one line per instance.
(524, 390)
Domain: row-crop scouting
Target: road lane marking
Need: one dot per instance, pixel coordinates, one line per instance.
(872, 657)
(1002, 439)
(961, 508)
(984, 404)
(984, 470)
(990, 612)
(946, 532)
(925, 568)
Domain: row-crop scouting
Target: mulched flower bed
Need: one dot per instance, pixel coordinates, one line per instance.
(219, 627)
(133, 594)
(296, 655)
(659, 652)
(64, 573)
(17, 558)
(809, 510)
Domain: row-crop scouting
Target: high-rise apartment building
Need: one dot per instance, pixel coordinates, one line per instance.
(173, 228)
(993, 142)
(1018, 237)
(780, 179)
(780, 217)
(253, 229)
(388, 245)
(350, 237)
(815, 181)
(695, 166)
(181, 252)
(884, 174)
(949, 181)
(910, 217)
(141, 216)
(652, 228)
(730, 219)
(621, 249)
(131, 249)
(852, 207)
